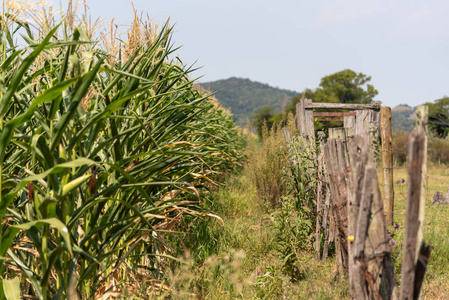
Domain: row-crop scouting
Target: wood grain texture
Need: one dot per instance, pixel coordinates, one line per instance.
(412, 223)
(387, 163)
(350, 106)
(334, 153)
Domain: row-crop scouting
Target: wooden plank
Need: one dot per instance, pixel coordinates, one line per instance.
(350, 106)
(421, 124)
(334, 114)
(387, 163)
(362, 122)
(334, 153)
(359, 152)
(412, 222)
(340, 133)
(349, 122)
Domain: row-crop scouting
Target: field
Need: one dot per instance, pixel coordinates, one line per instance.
(436, 231)
(121, 178)
(258, 271)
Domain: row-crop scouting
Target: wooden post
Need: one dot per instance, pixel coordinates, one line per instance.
(319, 198)
(335, 159)
(325, 221)
(421, 125)
(371, 272)
(309, 125)
(412, 222)
(387, 163)
(300, 116)
(305, 119)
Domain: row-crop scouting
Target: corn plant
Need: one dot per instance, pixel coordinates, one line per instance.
(95, 154)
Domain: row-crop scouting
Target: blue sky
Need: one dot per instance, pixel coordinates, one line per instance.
(402, 44)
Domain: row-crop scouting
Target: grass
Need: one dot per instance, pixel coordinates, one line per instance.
(248, 230)
(258, 272)
(436, 232)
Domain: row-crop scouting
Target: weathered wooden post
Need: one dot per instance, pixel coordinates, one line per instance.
(371, 271)
(415, 256)
(319, 197)
(305, 119)
(335, 159)
(387, 163)
(421, 125)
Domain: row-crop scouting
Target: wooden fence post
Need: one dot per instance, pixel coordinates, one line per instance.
(421, 125)
(335, 159)
(371, 272)
(411, 284)
(305, 120)
(319, 198)
(387, 163)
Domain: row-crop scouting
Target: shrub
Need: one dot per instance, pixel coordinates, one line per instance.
(265, 162)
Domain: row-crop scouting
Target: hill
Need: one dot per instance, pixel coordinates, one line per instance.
(243, 96)
(403, 118)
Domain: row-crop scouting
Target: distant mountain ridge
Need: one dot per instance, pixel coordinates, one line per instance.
(242, 96)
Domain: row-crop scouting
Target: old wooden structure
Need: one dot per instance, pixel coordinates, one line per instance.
(349, 202)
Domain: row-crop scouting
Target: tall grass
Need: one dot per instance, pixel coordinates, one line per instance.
(96, 151)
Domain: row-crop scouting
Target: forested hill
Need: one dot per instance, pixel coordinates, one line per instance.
(243, 96)
(403, 117)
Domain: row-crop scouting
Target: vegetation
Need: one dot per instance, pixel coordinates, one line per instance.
(345, 86)
(111, 160)
(402, 118)
(244, 96)
(103, 150)
(439, 117)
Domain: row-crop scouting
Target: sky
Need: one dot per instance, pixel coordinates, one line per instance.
(402, 44)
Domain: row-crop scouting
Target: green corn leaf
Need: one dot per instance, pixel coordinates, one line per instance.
(67, 188)
(18, 77)
(62, 228)
(11, 288)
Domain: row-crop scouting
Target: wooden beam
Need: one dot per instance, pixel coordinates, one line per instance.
(334, 114)
(387, 163)
(375, 106)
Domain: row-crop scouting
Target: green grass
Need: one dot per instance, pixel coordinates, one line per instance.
(436, 231)
(248, 230)
(258, 274)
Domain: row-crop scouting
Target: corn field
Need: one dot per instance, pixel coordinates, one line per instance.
(105, 144)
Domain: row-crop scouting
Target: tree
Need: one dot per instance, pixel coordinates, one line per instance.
(345, 86)
(439, 116)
